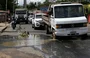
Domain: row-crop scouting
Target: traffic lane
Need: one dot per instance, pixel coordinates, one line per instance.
(48, 47)
(65, 49)
(28, 27)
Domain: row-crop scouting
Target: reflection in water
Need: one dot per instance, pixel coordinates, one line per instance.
(52, 48)
(30, 41)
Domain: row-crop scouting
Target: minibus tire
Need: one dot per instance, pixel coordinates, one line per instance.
(47, 31)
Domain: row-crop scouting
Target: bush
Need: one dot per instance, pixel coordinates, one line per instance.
(86, 9)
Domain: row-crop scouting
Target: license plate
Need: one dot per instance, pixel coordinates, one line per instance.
(72, 29)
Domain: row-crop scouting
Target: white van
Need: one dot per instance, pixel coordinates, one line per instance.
(66, 19)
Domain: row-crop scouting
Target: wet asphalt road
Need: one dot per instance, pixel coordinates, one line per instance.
(40, 45)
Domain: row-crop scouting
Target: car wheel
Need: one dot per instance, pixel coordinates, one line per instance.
(26, 22)
(32, 26)
(35, 28)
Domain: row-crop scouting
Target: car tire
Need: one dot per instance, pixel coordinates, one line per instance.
(32, 26)
(35, 28)
(26, 22)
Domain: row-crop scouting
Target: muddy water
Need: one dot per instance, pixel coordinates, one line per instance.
(44, 46)
(31, 40)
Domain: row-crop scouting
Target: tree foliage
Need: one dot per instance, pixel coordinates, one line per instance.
(31, 5)
(10, 4)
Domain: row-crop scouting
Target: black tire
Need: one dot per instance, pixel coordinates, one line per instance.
(26, 22)
(35, 28)
(32, 26)
(47, 30)
(43, 27)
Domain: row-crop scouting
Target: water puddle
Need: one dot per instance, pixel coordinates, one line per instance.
(31, 40)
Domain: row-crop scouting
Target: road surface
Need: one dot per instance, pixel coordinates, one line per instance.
(40, 45)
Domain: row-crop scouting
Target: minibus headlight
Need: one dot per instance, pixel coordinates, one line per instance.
(58, 26)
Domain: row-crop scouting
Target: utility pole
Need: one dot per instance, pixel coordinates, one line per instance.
(6, 15)
(13, 6)
(25, 3)
(6, 5)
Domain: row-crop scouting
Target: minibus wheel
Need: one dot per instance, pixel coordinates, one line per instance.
(47, 30)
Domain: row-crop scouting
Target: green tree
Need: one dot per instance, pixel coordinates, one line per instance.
(10, 4)
(46, 3)
(31, 6)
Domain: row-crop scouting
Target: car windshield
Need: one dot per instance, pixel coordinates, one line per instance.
(68, 11)
(21, 12)
(38, 16)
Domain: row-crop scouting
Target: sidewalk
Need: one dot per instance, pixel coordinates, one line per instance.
(3, 26)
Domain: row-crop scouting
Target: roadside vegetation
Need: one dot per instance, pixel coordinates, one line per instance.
(38, 5)
(12, 4)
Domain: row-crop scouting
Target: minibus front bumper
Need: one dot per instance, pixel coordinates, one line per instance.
(71, 31)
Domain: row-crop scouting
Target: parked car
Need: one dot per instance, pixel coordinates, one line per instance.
(37, 21)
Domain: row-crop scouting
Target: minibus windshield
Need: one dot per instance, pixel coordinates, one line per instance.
(68, 11)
